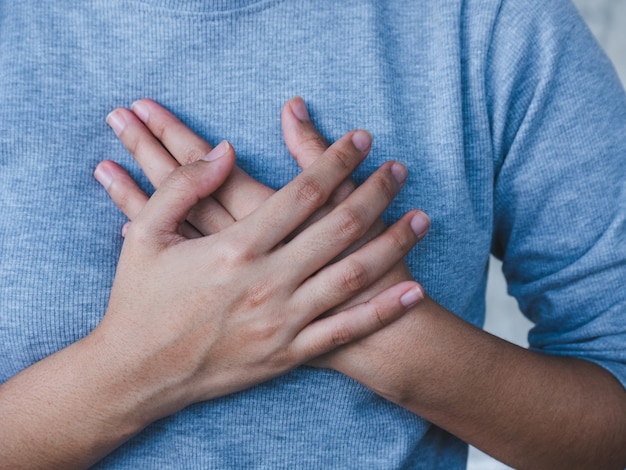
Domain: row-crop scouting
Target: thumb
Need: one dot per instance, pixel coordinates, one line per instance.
(168, 208)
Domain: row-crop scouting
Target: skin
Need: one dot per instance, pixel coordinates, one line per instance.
(158, 350)
(527, 409)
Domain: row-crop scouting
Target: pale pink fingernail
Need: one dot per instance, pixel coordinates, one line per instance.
(116, 121)
(299, 110)
(399, 172)
(103, 176)
(412, 297)
(141, 110)
(420, 224)
(217, 152)
(362, 140)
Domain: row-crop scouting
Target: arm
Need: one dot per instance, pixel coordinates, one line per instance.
(157, 350)
(528, 409)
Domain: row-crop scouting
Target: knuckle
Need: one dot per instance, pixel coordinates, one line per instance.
(343, 157)
(159, 128)
(354, 277)
(340, 335)
(259, 293)
(234, 255)
(119, 193)
(122, 200)
(385, 186)
(399, 241)
(181, 178)
(341, 193)
(189, 155)
(378, 314)
(267, 330)
(351, 223)
(246, 254)
(313, 143)
(132, 142)
(268, 334)
(229, 256)
(309, 192)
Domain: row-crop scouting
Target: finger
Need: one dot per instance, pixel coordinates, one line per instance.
(171, 203)
(122, 189)
(180, 141)
(340, 281)
(361, 320)
(209, 216)
(239, 195)
(294, 203)
(348, 222)
(157, 164)
(305, 143)
(127, 195)
(154, 160)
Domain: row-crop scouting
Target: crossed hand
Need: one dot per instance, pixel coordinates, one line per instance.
(223, 282)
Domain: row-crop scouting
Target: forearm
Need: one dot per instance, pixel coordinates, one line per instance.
(527, 409)
(68, 410)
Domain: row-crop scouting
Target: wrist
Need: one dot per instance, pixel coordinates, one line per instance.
(68, 410)
(137, 392)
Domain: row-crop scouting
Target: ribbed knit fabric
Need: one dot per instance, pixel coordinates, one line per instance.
(510, 119)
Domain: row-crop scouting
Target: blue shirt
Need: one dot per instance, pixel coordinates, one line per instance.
(510, 119)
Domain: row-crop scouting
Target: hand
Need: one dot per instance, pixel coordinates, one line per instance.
(167, 143)
(160, 142)
(239, 305)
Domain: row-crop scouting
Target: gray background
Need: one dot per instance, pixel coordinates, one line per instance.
(607, 20)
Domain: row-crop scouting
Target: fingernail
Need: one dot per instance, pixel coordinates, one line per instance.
(217, 152)
(399, 172)
(141, 110)
(412, 297)
(103, 176)
(420, 224)
(362, 140)
(117, 122)
(299, 110)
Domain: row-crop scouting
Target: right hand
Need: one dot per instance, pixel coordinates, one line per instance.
(193, 319)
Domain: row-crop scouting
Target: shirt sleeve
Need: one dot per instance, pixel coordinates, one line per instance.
(558, 123)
